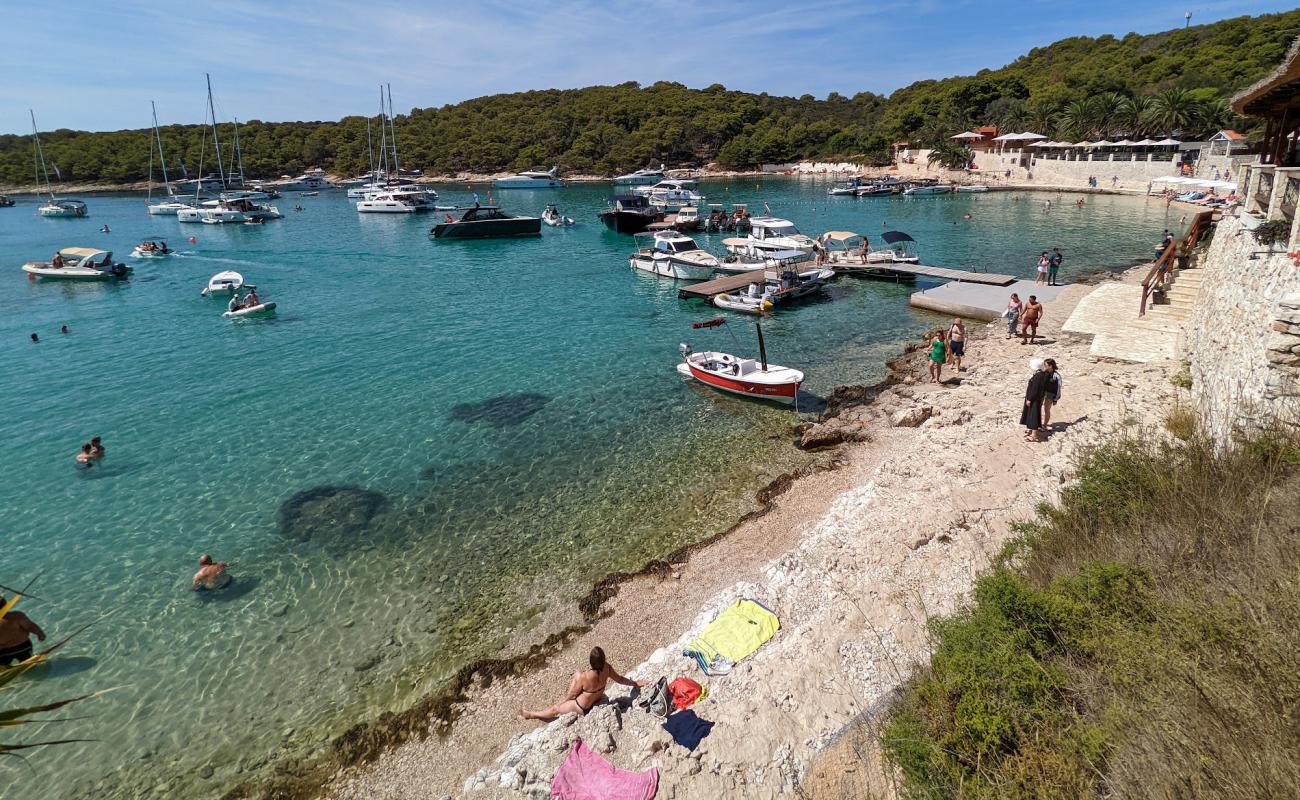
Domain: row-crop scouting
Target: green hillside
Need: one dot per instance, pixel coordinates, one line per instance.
(1176, 81)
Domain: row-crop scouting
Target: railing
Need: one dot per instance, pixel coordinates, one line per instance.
(1290, 196)
(1164, 265)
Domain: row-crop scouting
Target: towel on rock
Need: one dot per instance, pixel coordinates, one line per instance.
(585, 775)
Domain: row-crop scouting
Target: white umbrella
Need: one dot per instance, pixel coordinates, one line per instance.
(1082, 144)
(1146, 142)
(1006, 137)
(1028, 135)
(967, 135)
(1229, 185)
(1168, 142)
(1170, 179)
(1102, 143)
(1124, 143)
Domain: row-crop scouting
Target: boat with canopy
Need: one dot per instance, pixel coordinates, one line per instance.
(747, 377)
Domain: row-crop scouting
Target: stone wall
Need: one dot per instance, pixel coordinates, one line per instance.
(993, 167)
(1243, 336)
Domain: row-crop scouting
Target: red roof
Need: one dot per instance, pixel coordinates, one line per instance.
(987, 130)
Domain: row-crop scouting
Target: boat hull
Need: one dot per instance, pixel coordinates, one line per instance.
(667, 268)
(57, 212)
(528, 183)
(168, 209)
(489, 228)
(784, 393)
(260, 310)
(627, 221)
(45, 272)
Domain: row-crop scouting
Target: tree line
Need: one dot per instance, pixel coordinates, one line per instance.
(1171, 83)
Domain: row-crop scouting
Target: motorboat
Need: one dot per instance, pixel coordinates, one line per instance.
(673, 190)
(552, 216)
(216, 212)
(486, 222)
(789, 284)
(769, 234)
(845, 189)
(629, 213)
(753, 300)
(874, 190)
(845, 253)
(371, 191)
(63, 208)
(928, 189)
(306, 182)
(642, 177)
(169, 208)
(743, 376)
(973, 189)
(5, 202)
(770, 260)
(719, 219)
(531, 180)
(153, 247)
(674, 255)
(78, 263)
(688, 219)
(396, 201)
(259, 310)
(223, 284)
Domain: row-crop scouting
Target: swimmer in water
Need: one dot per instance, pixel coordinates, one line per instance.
(86, 458)
(212, 575)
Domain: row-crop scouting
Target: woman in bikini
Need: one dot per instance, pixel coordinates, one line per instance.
(585, 691)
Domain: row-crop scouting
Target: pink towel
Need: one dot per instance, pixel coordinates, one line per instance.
(584, 775)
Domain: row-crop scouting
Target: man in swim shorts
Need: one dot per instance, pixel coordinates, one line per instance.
(211, 575)
(16, 630)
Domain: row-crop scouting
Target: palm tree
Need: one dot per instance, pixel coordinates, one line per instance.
(1107, 110)
(1214, 115)
(1173, 110)
(949, 155)
(1042, 115)
(1134, 114)
(1080, 118)
(1008, 113)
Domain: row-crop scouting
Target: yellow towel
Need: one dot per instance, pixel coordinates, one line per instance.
(737, 632)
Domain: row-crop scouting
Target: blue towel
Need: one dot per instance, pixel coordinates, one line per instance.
(687, 729)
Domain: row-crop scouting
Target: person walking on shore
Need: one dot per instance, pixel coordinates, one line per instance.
(956, 340)
(1054, 266)
(1054, 387)
(585, 690)
(938, 354)
(1012, 314)
(1043, 261)
(1031, 416)
(1032, 315)
(16, 632)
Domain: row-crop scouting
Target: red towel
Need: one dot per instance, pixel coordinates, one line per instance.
(584, 775)
(685, 692)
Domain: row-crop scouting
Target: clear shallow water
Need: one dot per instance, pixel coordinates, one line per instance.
(385, 372)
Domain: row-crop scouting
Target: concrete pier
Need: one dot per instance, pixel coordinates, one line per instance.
(979, 301)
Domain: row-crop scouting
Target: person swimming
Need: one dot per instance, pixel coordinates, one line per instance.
(86, 458)
(212, 575)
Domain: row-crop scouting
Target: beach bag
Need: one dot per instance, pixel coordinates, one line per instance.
(658, 700)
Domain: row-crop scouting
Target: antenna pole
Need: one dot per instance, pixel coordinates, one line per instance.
(762, 349)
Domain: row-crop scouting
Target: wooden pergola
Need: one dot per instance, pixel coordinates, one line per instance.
(1276, 100)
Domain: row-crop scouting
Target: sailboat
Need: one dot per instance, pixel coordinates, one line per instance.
(228, 207)
(169, 207)
(55, 207)
(394, 196)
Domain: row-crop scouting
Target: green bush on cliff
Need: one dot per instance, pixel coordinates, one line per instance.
(1140, 640)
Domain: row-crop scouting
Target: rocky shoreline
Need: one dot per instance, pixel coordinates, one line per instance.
(854, 561)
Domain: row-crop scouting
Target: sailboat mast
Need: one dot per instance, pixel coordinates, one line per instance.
(393, 126)
(383, 136)
(370, 152)
(239, 154)
(221, 170)
(41, 169)
(162, 160)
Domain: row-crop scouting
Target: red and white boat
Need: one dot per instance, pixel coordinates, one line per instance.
(743, 376)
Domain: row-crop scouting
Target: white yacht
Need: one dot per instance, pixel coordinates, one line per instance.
(230, 211)
(312, 181)
(669, 194)
(642, 177)
(79, 264)
(531, 180)
(674, 255)
(768, 235)
(62, 208)
(403, 200)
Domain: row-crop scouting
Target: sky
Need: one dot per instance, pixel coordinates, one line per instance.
(96, 64)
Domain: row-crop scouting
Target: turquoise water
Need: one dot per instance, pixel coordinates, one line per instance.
(503, 417)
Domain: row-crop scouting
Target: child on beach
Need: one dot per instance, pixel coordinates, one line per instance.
(938, 355)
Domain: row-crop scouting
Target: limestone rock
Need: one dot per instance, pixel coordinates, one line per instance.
(912, 417)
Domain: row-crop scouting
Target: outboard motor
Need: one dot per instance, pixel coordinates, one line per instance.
(685, 349)
(119, 270)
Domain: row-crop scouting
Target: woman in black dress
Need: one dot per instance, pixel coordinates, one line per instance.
(1032, 415)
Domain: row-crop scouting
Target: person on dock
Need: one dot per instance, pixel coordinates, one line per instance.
(938, 355)
(1031, 416)
(1054, 387)
(1031, 316)
(585, 690)
(212, 575)
(1012, 314)
(16, 632)
(956, 341)
(1054, 266)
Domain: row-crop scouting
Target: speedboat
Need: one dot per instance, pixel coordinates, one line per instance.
(78, 263)
(674, 255)
(486, 222)
(842, 189)
(306, 182)
(153, 247)
(874, 190)
(223, 284)
(767, 235)
(973, 189)
(742, 376)
(63, 208)
(934, 188)
(5, 202)
(642, 177)
(531, 180)
(671, 190)
(845, 254)
(770, 260)
(721, 220)
(629, 213)
(552, 216)
(688, 219)
(396, 201)
(753, 300)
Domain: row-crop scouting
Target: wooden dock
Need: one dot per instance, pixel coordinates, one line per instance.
(724, 285)
(732, 283)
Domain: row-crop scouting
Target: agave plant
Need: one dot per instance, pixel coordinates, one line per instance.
(28, 715)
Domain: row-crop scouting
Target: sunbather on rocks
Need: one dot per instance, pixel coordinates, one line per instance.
(585, 691)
